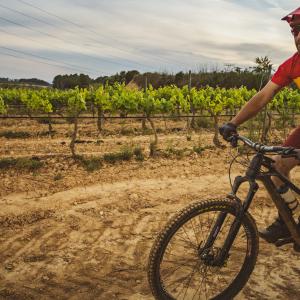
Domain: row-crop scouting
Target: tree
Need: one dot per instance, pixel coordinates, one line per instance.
(130, 75)
(71, 81)
(179, 78)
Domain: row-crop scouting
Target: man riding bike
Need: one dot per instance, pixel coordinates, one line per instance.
(288, 72)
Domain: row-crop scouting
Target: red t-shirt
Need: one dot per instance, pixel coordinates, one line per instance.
(288, 71)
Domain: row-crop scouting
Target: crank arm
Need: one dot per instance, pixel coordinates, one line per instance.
(284, 241)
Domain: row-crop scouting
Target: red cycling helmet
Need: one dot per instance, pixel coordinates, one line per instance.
(290, 16)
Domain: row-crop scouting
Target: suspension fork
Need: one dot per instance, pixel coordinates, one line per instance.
(251, 174)
(242, 208)
(236, 225)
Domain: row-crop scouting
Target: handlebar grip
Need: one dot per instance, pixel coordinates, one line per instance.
(234, 141)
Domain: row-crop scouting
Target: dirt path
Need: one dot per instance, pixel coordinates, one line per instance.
(93, 242)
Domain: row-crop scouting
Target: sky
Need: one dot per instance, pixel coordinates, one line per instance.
(41, 39)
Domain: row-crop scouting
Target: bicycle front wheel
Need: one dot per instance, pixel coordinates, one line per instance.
(176, 269)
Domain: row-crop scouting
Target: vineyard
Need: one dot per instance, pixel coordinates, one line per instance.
(88, 177)
(169, 102)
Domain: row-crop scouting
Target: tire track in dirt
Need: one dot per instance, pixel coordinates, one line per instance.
(96, 241)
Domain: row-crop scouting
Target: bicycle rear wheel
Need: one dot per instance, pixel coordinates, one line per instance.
(177, 271)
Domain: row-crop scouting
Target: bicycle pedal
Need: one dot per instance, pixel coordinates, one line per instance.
(284, 241)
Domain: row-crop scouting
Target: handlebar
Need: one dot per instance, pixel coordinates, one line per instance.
(263, 148)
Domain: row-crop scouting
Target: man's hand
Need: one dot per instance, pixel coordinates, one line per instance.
(227, 130)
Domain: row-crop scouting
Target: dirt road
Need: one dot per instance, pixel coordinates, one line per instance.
(92, 242)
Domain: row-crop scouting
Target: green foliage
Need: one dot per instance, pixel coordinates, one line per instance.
(75, 100)
(21, 163)
(198, 149)
(2, 106)
(124, 154)
(71, 81)
(36, 101)
(167, 100)
(286, 101)
(172, 151)
(100, 97)
(118, 99)
(91, 164)
(15, 135)
(203, 122)
(263, 65)
(138, 152)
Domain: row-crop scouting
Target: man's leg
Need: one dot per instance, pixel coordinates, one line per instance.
(283, 166)
(278, 229)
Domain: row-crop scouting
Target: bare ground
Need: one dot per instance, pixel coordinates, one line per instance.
(88, 235)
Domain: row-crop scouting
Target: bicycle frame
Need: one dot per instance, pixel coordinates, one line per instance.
(254, 173)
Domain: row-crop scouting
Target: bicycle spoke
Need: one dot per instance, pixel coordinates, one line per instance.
(186, 242)
(180, 282)
(177, 263)
(191, 221)
(187, 235)
(189, 279)
(201, 283)
(210, 227)
(198, 289)
(187, 264)
(200, 225)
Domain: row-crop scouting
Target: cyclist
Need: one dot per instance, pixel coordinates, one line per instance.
(287, 72)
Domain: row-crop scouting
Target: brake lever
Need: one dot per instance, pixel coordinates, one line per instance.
(233, 141)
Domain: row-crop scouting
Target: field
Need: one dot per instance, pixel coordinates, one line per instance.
(70, 233)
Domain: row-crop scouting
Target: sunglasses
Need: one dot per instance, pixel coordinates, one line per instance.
(295, 30)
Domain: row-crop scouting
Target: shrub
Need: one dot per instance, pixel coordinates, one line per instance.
(15, 135)
(30, 164)
(204, 122)
(90, 164)
(127, 131)
(198, 149)
(177, 152)
(110, 157)
(125, 153)
(138, 152)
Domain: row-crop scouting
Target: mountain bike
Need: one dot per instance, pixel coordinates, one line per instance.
(209, 249)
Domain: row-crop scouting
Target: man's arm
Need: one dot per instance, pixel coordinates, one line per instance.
(256, 103)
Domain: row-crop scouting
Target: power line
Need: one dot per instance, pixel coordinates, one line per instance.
(44, 22)
(89, 30)
(28, 59)
(36, 19)
(109, 117)
(74, 67)
(21, 13)
(79, 68)
(28, 27)
(55, 64)
(44, 33)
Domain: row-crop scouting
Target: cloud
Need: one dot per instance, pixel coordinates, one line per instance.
(152, 35)
(254, 4)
